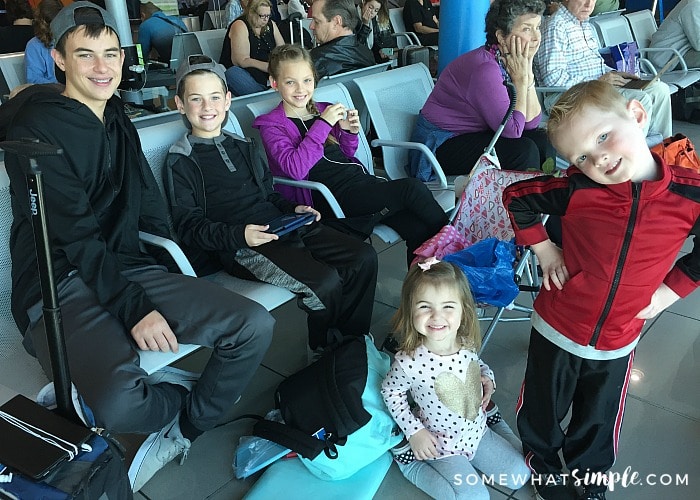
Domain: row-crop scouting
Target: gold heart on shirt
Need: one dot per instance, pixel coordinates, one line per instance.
(462, 398)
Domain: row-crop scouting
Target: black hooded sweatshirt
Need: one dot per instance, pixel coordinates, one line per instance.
(98, 195)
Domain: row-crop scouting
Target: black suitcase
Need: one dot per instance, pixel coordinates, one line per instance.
(412, 54)
(96, 468)
(293, 31)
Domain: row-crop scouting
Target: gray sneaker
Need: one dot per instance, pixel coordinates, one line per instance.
(158, 449)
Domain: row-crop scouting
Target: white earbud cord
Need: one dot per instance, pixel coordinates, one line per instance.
(364, 169)
(56, 441)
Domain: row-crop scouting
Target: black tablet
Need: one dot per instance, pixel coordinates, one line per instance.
(289, 222)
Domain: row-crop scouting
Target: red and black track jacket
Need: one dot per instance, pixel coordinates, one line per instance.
(620, 243)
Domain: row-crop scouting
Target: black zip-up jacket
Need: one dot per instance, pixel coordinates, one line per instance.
(201, 235)
(99, 194)
(340, 55)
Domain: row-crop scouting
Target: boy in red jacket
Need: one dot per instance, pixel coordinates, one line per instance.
(625, 215)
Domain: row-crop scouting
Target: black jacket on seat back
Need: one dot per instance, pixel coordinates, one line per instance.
(340, 55)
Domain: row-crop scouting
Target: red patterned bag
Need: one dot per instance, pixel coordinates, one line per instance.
(481, 213)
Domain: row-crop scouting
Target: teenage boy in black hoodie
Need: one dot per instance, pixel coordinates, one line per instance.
(114, 297)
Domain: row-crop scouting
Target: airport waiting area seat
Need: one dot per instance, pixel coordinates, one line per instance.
(156, 140)
(22, 372)
(613, 30)
(393, 100)
(209, 43)
(13, 73)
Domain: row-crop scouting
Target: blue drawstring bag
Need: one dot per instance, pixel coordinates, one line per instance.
(488, 266)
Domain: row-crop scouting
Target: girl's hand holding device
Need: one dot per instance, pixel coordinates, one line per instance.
(334, 113)
(351, 123)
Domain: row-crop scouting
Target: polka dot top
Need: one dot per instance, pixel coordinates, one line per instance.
(447, 391)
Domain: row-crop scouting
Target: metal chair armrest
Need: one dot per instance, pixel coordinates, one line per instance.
(317, 186)
(681, 60)
(410, 35)
(172, 248)
(442, 180)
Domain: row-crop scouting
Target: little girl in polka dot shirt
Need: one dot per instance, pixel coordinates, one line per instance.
(437, 363)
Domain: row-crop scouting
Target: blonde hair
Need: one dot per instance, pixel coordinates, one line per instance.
(594, 93)
(439, 275)
(294, 54)
(252, 8)
(290, 53)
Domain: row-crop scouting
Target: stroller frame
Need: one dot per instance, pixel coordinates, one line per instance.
(526, 268)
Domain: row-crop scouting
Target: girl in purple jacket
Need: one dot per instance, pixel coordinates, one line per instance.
(317, 141)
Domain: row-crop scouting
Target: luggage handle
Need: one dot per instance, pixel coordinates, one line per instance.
(29, 150)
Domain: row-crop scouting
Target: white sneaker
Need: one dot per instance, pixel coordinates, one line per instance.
(159, 449)
(173, 375)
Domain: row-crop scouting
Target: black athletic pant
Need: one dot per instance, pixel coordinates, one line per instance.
(411, 208)
(594, 389)
(334, 275)
(458, 155)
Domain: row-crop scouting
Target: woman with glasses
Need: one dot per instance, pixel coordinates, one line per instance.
(374, 29)
(247, 46)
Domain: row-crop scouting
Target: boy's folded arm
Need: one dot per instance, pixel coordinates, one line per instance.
(527, 200)
(684, 276)
(551, 259)
(662, 298)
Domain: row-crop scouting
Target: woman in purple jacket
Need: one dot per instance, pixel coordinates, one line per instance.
(469, 100)
(317, 141)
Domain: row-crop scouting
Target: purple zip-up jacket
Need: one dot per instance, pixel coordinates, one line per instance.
(290, 155)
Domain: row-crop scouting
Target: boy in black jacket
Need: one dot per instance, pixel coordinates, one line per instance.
(221, 197)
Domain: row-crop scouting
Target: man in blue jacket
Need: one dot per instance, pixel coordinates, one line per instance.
(157, 31)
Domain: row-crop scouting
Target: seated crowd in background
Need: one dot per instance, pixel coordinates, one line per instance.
(469, 100)
(38, 63)
(570, 55)
(420, 17)
(338, 49)
(157, 30)
(14, 37)
(374, 29)
(247, 45)
(680, 30)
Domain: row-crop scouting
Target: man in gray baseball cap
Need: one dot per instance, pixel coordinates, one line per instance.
(116, 298)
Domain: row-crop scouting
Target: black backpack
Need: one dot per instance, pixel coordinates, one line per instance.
(325, 395)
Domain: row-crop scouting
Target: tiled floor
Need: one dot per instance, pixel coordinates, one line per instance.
(659, 436)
